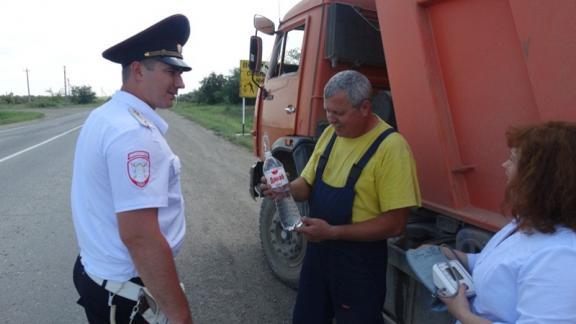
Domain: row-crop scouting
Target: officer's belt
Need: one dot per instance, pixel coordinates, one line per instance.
(126, 289)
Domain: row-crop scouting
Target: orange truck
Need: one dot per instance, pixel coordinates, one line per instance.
(451, 75)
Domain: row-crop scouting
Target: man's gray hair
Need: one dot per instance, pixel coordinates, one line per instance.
(356, 85)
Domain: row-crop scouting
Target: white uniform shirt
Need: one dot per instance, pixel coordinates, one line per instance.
(526, 278)
(123, 163)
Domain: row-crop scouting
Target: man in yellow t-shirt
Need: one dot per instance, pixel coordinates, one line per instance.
(360, 183)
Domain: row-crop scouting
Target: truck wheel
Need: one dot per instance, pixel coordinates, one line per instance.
(284, 251)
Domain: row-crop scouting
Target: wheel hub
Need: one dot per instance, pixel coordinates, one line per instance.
(286, 243)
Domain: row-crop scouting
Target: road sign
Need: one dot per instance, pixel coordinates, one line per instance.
(248, 88)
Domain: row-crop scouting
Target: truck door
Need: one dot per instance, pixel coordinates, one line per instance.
(279, 105)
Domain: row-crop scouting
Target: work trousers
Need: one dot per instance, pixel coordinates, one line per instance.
(346, 283)
(94, 299)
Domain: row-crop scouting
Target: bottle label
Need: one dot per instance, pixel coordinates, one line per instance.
(276, 177)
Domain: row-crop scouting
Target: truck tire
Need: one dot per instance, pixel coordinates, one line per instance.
(284, 251)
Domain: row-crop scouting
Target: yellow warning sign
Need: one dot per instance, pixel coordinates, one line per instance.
(248, 88)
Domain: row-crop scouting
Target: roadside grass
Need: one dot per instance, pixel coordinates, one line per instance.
(19, 112)
(224, 120)
(8, 117)
(4, 106)
(49, 102)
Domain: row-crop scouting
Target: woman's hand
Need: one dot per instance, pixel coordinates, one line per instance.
(459, 307)
(457, 304)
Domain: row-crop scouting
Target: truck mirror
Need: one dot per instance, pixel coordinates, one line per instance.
(265, 25)
(255, 57)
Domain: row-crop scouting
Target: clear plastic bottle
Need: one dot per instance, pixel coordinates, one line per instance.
(275, 175)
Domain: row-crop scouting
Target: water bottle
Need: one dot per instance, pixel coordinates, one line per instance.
(276, 177)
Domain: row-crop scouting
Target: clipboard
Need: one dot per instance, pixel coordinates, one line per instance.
(421, 261)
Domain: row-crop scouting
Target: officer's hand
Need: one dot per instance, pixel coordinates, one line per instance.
(316, 229)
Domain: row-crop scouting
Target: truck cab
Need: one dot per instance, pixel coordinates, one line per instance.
(452, 76)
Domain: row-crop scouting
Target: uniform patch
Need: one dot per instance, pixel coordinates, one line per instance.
(139, 168)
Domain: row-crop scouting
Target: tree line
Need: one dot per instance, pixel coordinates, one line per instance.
(214, 89)
(78, 95)
(217, 89)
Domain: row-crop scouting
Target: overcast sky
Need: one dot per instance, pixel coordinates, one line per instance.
(45, 36)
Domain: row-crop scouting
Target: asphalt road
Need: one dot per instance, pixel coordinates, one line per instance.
(221, 263)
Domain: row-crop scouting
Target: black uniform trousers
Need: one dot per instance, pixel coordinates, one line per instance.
(94, 299)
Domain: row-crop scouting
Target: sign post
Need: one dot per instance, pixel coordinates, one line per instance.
(243, 114)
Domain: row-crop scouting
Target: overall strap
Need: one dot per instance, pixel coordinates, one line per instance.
(324, 157)
(359, 166)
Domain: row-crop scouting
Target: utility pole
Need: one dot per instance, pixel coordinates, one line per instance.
(65, 79)
(28, 85)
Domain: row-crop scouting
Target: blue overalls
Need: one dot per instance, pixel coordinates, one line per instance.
(341, 279)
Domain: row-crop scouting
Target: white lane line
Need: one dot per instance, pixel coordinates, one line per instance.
(39, 144)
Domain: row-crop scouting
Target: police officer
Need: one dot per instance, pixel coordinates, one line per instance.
(360, 182)
(127, 204)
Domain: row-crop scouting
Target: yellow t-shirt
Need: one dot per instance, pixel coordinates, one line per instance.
(388, 181)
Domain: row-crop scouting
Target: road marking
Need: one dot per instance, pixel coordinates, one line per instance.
(39, 144)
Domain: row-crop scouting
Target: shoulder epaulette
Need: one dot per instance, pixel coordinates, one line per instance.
(138, 116)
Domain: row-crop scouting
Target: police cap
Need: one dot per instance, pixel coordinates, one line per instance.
(163, 40)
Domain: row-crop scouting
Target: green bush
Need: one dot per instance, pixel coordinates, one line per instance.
(82, 95)
(189, 97)
(216, 89)
(11, 99)
(47, 102)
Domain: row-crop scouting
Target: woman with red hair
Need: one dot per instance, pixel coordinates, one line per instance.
(525, 273)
